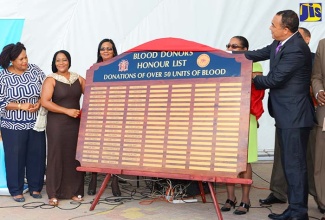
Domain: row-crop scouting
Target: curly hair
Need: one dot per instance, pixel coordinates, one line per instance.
(10, 53)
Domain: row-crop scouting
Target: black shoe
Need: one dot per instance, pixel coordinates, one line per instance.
(271, 199)
(284, 216)
(22, 199)
(231, 203)
(242, 212)
(91, 192)
(36, 195)
(115, 188)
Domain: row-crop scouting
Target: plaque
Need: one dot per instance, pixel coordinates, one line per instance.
(167, 111)
(169, 108)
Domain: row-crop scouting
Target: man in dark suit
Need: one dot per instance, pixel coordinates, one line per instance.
(278, 183)
(290, 104)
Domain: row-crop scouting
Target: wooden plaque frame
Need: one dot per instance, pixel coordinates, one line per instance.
(193, 126)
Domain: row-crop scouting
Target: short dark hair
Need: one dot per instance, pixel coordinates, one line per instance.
(289, 20)
(66, 53)
(306, 31)
(243, 41)
(99, 57)
(10, 53)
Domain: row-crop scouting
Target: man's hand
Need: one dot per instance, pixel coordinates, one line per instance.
(321, 98)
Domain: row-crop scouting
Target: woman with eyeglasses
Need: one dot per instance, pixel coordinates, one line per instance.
(106, 51)
(240, 43)
(61, 93)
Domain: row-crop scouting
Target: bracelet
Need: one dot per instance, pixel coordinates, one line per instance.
(19, 106)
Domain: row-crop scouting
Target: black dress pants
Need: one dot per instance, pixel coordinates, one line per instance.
(293, 144)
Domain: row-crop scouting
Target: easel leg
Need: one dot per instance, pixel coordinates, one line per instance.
(202, 192)
(215, 201)
(100, 192)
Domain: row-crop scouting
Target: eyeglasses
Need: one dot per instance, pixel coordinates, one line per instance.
(106, 48)
(234, 46)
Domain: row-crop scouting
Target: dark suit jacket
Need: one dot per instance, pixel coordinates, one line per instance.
(289, 82)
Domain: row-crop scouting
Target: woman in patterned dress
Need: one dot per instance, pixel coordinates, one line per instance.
(61, 94)
(25, 148)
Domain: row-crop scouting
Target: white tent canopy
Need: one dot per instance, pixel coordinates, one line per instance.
(78, 26)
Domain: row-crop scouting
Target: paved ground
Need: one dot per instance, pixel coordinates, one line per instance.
(141, 203)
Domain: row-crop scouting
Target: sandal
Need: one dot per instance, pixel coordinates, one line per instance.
(77, 198)
(53, 202)
(227, 206)
(242, 209)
